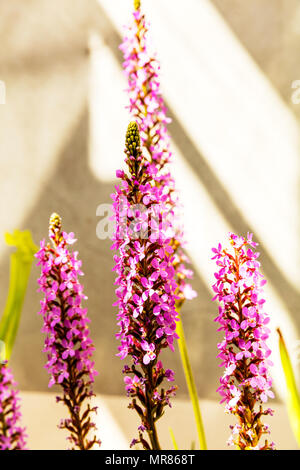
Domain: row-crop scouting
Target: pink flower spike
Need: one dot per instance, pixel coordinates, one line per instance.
(246, 382)
(147, 290)
(12, 435)
(67, 343)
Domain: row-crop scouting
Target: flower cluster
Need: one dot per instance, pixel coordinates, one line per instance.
(12, 436)
(68, 345)
(145, 278)
(245, 384)
(148, 109)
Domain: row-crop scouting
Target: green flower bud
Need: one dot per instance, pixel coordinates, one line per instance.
(55, 228)
(132, 141)
(137, 4)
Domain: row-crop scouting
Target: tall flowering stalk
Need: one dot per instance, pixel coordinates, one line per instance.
(12, 435)
(246, 383)
(146, 301)
(68, 345)
(147, 108)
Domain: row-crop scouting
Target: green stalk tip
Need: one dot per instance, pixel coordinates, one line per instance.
(132, 140)
(137, 4)
(55, 222)
(55, 228)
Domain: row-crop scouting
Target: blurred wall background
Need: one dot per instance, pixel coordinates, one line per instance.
(227, 73)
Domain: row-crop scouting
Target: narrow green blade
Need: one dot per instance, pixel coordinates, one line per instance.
(173, 438)
(20, 266)
(2, 352)
(293, 399)
(190, 383)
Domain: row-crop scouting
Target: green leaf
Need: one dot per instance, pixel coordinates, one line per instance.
(293, 399)
(2, 352)
(173, 438)
(20, 266)
(190, 383)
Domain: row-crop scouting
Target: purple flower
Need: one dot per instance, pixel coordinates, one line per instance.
(149, 349)
(169, 374)
(147, 108)
(146, 299)
(67, 344)
(246, 383)
(12, 435)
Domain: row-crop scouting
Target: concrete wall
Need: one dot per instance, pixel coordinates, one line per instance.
(227, 68)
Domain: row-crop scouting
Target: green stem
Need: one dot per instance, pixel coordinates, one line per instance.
(293, 397)
(152, 432)
(190, 383)
(154, 437)
(175, 445)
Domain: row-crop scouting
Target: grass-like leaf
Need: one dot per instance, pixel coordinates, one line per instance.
(175, 446)
(191, 383)
(293, 398)
(20, 266)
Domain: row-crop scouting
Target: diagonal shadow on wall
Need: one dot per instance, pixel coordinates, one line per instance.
(74, 192)
(216, 190)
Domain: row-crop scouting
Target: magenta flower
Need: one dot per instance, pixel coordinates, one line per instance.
(67, 344)
(147, 108)
(12, 435)
(146, 300)
(246, 383)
